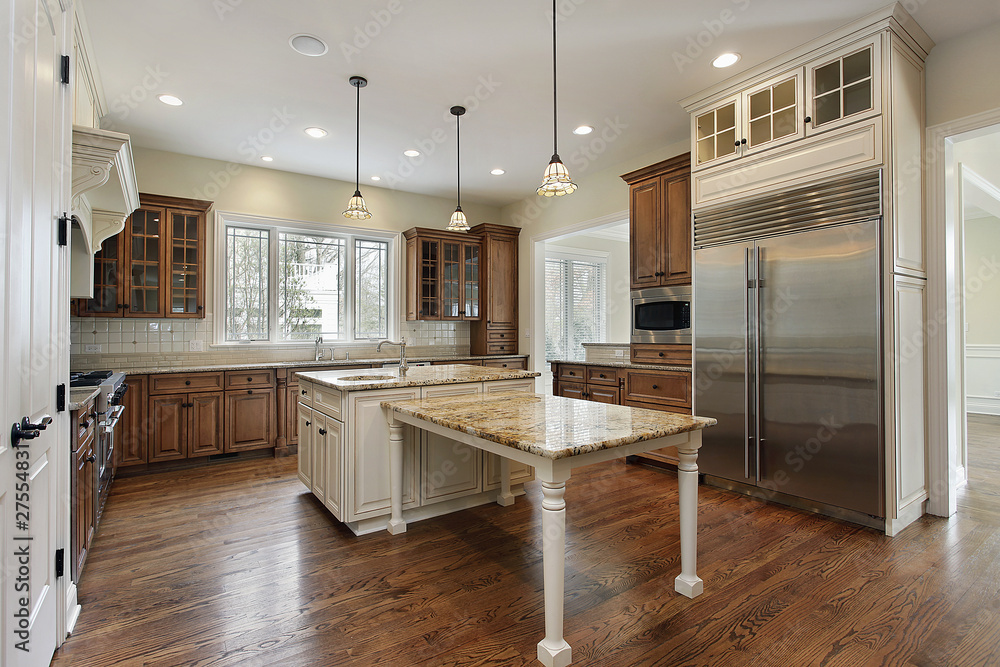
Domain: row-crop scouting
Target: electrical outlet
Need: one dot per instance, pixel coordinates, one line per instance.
(91, 349)
(527, 333)
(196, 346)
(619, 353)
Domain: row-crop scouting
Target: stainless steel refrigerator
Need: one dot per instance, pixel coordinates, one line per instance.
(787, 357)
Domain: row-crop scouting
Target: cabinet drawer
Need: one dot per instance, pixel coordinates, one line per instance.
(327, 400)
(572, 373)
(182, 383)
(86, 422)
(305, 393)
(599, 394)
(499, 335)
(661, 354)
(249, 379)
(501, 347)
(599, 375)
(665, 387)
(516, 364)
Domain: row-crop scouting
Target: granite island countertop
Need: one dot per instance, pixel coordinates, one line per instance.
(80, 395)
(549, 426)
(417, 376)
(622, 364)
(156, 370)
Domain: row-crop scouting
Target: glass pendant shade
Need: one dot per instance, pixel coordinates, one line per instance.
(458, 222)
(556, 181)
(356, 209)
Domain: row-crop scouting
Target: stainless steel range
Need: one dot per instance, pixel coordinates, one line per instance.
(110, 409)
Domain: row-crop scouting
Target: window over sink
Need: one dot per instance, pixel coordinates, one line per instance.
(284, 282)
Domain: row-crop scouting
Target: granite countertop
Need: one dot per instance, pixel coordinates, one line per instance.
(604, 344)
(621, 364)
(418, 376)
(155, 370)
(550, 426)
(80, 395)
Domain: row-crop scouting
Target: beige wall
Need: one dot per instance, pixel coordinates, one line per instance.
(617, 298)
(963, 77)
(982, 284)
(278, 194)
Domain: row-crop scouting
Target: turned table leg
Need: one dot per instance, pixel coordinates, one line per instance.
(687, 582)
(396, 523)
(553, 651)
(505, 498)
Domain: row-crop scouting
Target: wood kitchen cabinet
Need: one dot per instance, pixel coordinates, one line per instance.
(130, 450)
(83, 433)
(443, 275)
(156, 266)
(186, 412)
(250, 419)
(496, 330)
(660, 223)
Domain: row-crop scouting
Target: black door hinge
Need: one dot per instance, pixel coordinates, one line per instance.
(65, 69)
(61, 398)
(60, 563)
(63, 231)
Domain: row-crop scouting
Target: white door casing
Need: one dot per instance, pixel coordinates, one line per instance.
(34, 350)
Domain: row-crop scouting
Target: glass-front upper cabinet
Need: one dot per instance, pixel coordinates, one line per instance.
(773, 112)
(717, 133)
(459, 280)
(145, 230)
(109, 263)
(429, 279)
(471, 279)
(186, 256)
(845, 86)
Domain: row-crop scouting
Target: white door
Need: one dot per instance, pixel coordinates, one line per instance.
(33, 355)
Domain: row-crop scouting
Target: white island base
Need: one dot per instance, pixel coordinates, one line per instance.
(521, 429)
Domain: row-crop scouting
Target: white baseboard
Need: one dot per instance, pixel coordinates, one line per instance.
(982, 405)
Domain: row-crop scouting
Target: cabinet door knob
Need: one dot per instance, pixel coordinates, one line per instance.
(743, 141)
(602, 375)
(249, 379)
(572, 373)
(661, 354)
(502, 335)
(655, 387)
(201, 307)
(808, 119)
(322, 431)
(249, 391)
(91, 458)
(187, 381)
(304, 392)
(308, 423)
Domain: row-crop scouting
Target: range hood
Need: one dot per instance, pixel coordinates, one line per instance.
(104, 195)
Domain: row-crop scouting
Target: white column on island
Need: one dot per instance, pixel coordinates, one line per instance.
(505, 498)
(396, 523)
(554, 651)
(687, 582)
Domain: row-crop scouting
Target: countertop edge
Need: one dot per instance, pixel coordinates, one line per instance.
(622, 364)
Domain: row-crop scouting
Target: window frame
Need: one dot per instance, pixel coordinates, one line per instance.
(583, 255)
(274, 226)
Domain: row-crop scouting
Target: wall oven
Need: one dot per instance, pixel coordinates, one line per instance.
(662, 315)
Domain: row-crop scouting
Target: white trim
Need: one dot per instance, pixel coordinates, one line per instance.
(982, 351)
(582, 254)
(946, 382)
(394, 262)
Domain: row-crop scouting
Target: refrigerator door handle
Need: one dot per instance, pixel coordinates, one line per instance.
(758, 407)
(747, 351)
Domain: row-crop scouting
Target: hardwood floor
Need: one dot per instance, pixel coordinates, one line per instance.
(238, 565)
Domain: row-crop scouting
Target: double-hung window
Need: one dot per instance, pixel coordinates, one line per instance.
(575, 298)
(286, 282)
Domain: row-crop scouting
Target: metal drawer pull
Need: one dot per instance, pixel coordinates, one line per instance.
(249, 391)
(304, 392)
(249, 379)
(655, 387)
(187, 381)
(322, 431)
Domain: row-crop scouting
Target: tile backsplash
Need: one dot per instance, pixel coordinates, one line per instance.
(123, 344)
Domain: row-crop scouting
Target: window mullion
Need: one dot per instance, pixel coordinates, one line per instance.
(351, 282)
(273, 266)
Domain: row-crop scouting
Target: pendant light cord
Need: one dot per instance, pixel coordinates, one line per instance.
(458, 156)
(555, 111)
(357, 144)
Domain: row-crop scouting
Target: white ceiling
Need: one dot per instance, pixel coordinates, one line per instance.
(229, 60)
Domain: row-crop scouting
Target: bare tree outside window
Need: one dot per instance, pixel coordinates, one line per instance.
(246, 284)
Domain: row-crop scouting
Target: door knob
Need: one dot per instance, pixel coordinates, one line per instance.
(91, 458)
(42, 424)
(18, 432)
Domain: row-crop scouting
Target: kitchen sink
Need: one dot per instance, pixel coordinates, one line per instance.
(367, 378)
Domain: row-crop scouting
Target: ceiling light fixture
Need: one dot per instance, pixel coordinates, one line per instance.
(356, 209)
(170, 100)
(583, 129)
(308, 45)
(376, 178)
(556, 181)
(458, 222)
(267, 158)
(498, 172)
(411, 153)
(726, 59)
(315, 132)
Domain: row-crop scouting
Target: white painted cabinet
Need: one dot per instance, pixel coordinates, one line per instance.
(320, 455)
(305, 417)
(844, 86)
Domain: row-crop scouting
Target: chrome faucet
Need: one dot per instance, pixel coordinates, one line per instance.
(402, 352)
(319, 341)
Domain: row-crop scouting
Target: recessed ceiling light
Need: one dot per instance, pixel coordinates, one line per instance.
(308, 45)
(171, 100)
(583, 129)
(266, 158)
(498, 172)
(411, 153)
(315, 132)
(376, 178)
(726, 59)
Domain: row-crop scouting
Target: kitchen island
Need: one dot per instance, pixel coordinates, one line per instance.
(554, 435)
(344, 451)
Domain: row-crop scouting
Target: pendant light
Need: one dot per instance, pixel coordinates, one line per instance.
(556, 181)
(356, 209)
(458, 222)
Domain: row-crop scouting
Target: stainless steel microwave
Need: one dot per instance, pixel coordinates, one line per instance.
(662, 315)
